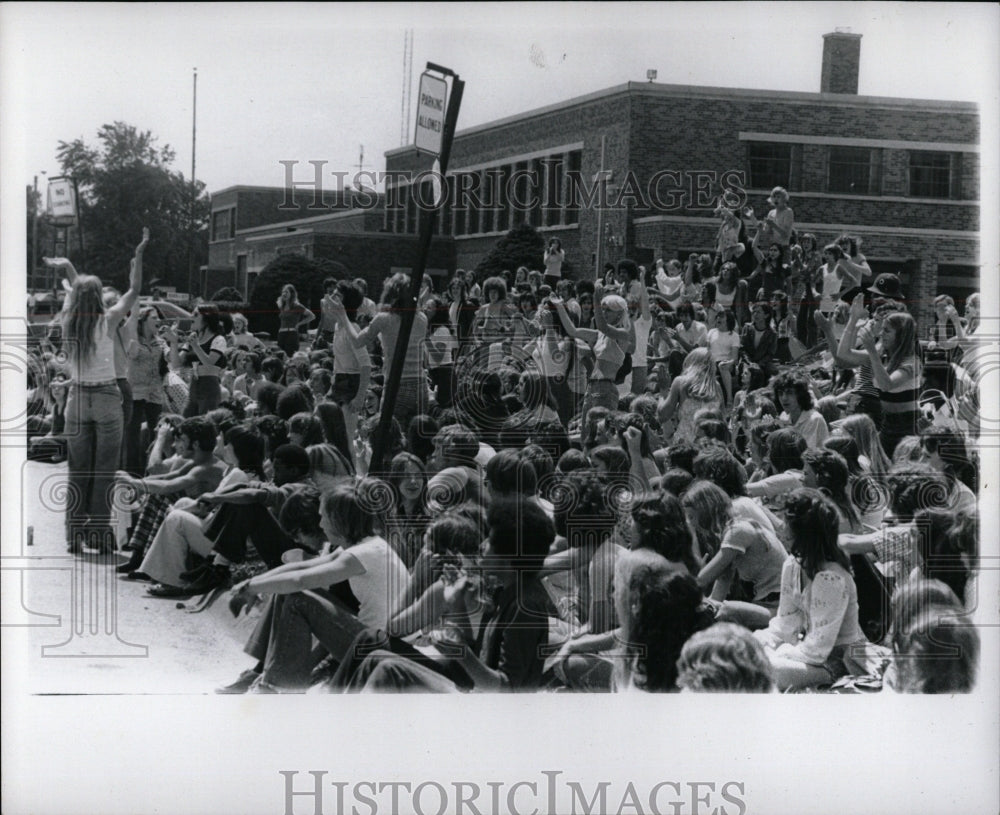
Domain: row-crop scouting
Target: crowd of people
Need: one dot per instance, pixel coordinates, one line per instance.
(737, 472)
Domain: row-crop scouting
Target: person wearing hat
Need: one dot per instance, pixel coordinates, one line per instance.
(611, 341)
(886, 286)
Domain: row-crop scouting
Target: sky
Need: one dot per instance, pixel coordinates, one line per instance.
(311, 82)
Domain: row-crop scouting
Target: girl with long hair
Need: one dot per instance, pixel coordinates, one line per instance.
(442, 346)
(407, 518)
(205, 354)
(694, 389)
(734, 547)
(817, 619)
(94, 420)
(386, 327)
(732, 293)
(827, 471)
(895, 364)
(291, 315)
(331, 457)
(147, 367)
(660, 608)
(861, 428)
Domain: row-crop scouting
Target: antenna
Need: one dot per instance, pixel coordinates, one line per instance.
(361, 160)
(404, 112)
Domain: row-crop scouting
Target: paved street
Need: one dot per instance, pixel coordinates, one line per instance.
(119, 640)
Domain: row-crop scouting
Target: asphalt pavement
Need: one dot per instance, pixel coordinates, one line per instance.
(81, 629)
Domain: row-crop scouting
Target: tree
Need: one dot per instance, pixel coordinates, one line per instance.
(522, 246)
(125, 184)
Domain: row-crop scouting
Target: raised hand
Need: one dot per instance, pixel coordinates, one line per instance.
(858, 308)
(144, 241)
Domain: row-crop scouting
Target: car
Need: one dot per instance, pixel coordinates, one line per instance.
(43, 309)
(169, 313)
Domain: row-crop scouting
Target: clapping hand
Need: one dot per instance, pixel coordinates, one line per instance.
(858, 308)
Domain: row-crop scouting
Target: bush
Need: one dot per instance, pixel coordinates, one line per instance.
(522, 246)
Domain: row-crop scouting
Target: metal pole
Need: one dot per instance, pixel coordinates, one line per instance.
(34, 234)
(79, 223)
(427, 220)
(599, 254)
(194, 138)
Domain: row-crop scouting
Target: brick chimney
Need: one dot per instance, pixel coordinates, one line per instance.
(841, 60)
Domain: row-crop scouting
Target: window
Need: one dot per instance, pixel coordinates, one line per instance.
(930, 175)
(223, 225)
(770, 164)
(850, 170)
(574, 168)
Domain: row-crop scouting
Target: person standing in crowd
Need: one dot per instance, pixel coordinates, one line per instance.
(385, 326)
(855, 265)
(610, 342)
(94, 421)
(241, 337)
(205, 353)
(147, 368)
(352, 365)
(553, 259)
(895, 362)
(780, 222)
(440, 351)
(291, 316)
(327, 322)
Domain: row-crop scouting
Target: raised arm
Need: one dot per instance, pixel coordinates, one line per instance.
(588, 335)
(845, 352)
(118, 311)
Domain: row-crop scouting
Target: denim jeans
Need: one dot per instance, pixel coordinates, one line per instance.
(283, 639)
(93, 439)
(142, 411)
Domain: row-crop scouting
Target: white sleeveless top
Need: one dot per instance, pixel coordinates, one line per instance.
(100, 366)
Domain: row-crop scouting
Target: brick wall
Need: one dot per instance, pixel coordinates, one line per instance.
(365, 255)
(647, 132)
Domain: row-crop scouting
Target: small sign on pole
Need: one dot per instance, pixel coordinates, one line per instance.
(61, 203)
(432, 102)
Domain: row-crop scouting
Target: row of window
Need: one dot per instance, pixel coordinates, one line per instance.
(543, 191)
(855, 170)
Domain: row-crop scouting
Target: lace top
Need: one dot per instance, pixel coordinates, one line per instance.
(814, 616)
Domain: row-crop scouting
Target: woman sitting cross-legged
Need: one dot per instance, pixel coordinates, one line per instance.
(817, 619)
(307, 602)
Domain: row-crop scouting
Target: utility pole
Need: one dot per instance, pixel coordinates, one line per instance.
(194, 139)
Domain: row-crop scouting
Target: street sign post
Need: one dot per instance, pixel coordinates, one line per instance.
(432, 104)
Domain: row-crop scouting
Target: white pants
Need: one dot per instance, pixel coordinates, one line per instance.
(179, 534)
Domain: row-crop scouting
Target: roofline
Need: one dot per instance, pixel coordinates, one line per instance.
(314, 219)
(246, 187)
(706, 91)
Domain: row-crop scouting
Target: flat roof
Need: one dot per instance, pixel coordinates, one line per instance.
(313, 219)
(661, 90)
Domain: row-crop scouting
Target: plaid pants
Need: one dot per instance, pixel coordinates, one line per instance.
(150, 518)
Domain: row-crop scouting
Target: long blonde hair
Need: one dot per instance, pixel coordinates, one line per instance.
(861, 428)
(83, 312)
(699, 375)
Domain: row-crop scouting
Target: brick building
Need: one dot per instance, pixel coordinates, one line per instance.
(901, 174)
(250, 226)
